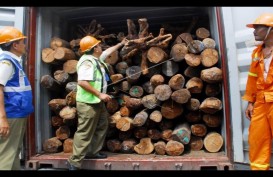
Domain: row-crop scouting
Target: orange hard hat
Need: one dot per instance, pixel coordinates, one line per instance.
(264, 19)
(9, 34)
(88, 42)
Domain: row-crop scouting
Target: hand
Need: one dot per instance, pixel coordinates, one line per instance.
(124, 41)
(104, 97)
(249, 111)
(4, 127)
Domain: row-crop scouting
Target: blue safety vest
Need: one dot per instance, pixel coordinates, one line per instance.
(17, 92)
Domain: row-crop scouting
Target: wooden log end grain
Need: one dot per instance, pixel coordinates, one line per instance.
(213, 142)
(144, 147)
(52, 145)
(68, 145)
(174, 148)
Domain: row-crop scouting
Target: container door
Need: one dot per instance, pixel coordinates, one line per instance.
(239, 45)
(12, 16)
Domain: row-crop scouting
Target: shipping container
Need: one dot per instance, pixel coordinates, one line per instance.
(234, 43)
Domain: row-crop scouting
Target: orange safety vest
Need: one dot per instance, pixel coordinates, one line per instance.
(258, 89)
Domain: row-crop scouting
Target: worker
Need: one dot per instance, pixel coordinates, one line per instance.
(15, 97)
(259, 94)
(91, 97)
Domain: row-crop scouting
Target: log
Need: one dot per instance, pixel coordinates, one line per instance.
(156, 55)
(140, 118)
(150, 101)
(183, 38)
(70, 66)
(170, 68)
(156, 80)
(174, 148)
(114, 145)
(133, 73)
(133, 103)
(202, 33)
(213, 90)
(132, 32)
(56, 42)
(125, 135)
(50, 83)
(68, 112)
(181, 96)
(178, 52)
(213, 142)
(193, 117)
(71, 86)
(63, 132)
(196, 143)
(196, 46)
(148, 87)
(166, 124)
(209, 43)
(182, 133)
(57, 105)
(212, 120)
(144, 63)
(156, 116)
(52, 145)
(125, 111)
(124, 124)
(163, 92)
(71, 98)
(192, 71)
(160, 148)
(211, 105)
(113, 119)
(209, 57)
(136, 91)
(68, 145)
(125, 86)
(171, 110)
(48, 56)
(121, 67)
(199, 130)
(193, 60)
(116, 78)
(127, 146)
(154, 134)
(177, 82)
(64, 54)
(75, 43)
(62, 77)
(140, 132)
(195, 85)
(56, 121)
(143, 27)
(166, 134)
(144, 147)
(193, 104)
(212, 75)
(112, 106)
(113, 58)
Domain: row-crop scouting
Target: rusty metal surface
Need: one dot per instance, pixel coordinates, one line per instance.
(195, 160)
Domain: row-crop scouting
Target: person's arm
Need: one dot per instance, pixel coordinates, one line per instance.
(4, 126)
(249, 110)
(110, 50)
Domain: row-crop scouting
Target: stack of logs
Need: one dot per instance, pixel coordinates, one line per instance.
(166, 99)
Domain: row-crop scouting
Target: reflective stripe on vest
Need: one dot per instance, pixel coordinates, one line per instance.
(252, 74)
(260, 166)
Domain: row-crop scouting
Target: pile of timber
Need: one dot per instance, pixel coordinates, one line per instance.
(167, 93)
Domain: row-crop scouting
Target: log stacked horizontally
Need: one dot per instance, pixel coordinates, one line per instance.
(167, 95)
